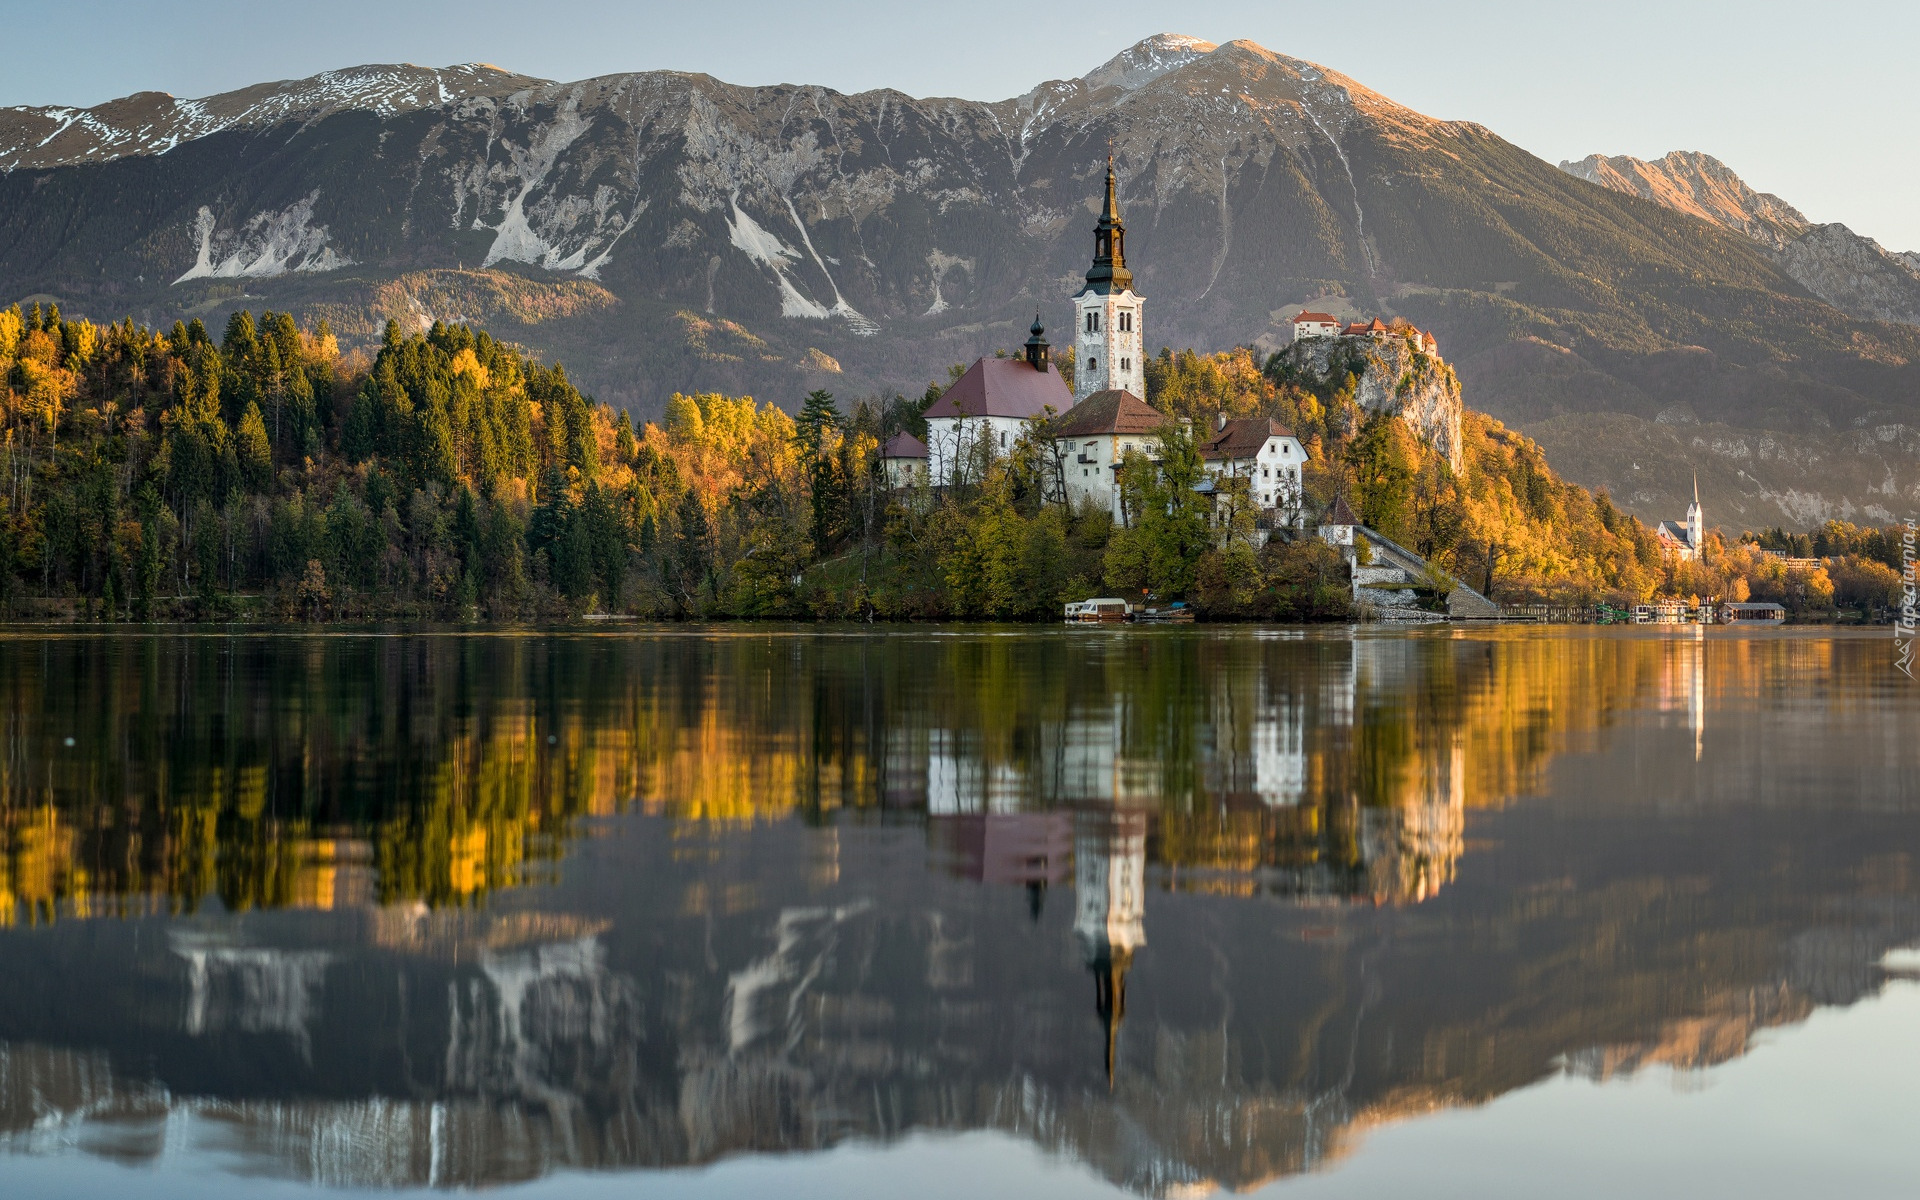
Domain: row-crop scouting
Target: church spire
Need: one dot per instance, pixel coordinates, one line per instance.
(1037, 345)
(1696, 519)
(1109, 271)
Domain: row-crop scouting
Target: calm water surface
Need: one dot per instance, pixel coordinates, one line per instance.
(838, 913)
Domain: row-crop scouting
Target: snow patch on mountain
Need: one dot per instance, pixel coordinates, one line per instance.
(751, 239)
(271, 243)
(723, 161)
(514, 238)
(540, 223)
(940, 262)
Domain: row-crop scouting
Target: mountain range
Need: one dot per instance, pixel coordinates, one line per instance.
(664, 231)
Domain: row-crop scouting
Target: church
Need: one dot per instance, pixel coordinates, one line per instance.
(1104, 416)
(1684, 541)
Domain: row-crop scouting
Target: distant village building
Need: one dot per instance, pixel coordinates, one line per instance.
(1684, 541)
(903, 461)
(995, 400)
(1109, 354)
(1752, 612)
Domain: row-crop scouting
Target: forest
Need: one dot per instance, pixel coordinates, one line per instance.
(447, 475)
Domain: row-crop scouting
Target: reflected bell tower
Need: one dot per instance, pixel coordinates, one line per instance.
(1109, 882)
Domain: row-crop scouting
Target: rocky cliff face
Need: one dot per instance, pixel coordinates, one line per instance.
(666, 231)
(1850, 272)
(1393, 376)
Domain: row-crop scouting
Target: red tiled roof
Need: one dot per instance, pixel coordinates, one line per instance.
(903, 445)
(1242, 438)
(1003, 387)
(1340, 514)
(1111, 411)
(1323, 318)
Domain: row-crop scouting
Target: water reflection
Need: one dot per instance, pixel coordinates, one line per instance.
(461, 910)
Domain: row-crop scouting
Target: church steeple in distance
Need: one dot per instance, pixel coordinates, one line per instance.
(1109, 272)
(1696, 519)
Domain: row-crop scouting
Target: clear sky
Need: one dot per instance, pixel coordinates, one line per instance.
(1812, 101)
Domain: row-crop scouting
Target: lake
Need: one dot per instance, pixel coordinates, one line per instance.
(835, 912)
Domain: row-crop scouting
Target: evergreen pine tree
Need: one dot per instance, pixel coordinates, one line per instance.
(254, 450)
(817, 416)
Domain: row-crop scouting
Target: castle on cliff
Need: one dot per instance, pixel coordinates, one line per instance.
(1318, 324)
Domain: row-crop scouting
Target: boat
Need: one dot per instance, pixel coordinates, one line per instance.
(1176, 613)
(1105, 610)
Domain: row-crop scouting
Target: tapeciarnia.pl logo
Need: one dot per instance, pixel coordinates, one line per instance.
(1903, 629)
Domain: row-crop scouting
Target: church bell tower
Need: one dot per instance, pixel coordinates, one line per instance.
(1109, 339)
(1696, 520)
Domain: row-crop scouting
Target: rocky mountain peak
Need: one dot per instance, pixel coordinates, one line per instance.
(1148, 59)
(156, 122)
(1699, 185)
(1852, 273)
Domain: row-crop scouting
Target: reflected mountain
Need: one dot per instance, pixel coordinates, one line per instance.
(1194, 909)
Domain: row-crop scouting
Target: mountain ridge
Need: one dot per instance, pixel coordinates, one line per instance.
(1849, 271)
(776, 239)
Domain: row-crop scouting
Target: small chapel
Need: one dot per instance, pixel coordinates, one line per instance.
(1685, 540)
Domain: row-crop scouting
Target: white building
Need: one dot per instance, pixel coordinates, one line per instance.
(1094, 436)
(1685, 541)
(1109, 346)
(1267, 455)
(1315, 324)
(994, 401)
(903, 461)
(1338, 526)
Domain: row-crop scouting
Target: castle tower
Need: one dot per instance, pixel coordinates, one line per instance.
(1696, 531)
(1108, 335)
